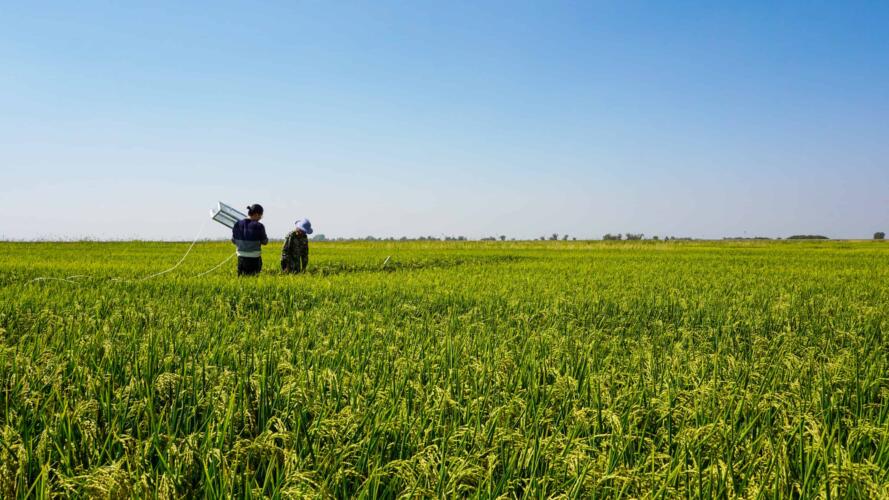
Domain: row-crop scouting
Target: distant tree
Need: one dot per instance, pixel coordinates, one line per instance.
(634, 236)
(461, 238)
(573, 238)
(502, 237)
(879, 235)
(612, 237)
(543, 238)
(564, 237)
(319, 237)
(655, 238)
(808, 237)
(554, 237)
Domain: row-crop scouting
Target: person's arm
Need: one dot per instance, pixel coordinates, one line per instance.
(304, 254)
(288, 246)
(234, 232)
(264, 239)
(285, 254)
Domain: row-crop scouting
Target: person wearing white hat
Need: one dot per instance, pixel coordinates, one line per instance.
(295, 254)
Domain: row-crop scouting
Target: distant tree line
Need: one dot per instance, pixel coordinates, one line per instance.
(879, 235)
(749, 238)
(321, 237)
(628, 237)
(640, 236)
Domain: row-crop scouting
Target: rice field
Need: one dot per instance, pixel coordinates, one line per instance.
(458, 369)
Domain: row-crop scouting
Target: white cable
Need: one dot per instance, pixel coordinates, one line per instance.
(183, 257)
(217, 266)
(71, 279)
(47, 278)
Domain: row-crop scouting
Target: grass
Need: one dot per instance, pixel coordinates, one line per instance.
(546, 369)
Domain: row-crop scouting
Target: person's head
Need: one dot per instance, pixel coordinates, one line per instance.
(304, 226)
(254, 211)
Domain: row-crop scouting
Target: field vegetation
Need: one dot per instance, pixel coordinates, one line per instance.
(538, 369)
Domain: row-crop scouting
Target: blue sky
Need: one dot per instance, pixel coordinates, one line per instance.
(125, 120)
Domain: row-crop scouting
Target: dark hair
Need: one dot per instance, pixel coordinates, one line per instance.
(255, 208)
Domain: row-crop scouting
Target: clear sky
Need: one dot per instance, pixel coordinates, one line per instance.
(702, 119)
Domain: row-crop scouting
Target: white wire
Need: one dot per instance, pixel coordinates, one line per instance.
(48, 278)
(200, 231)
(71, 279)
(217, 266)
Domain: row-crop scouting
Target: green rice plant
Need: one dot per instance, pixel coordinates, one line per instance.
(458, 369)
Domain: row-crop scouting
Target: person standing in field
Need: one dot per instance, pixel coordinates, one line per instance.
(295, 254)
(248, 235)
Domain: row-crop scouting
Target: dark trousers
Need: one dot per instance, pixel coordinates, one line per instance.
(248, 266)
(297, 264)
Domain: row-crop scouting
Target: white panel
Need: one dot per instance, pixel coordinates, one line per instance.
(226, 215)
